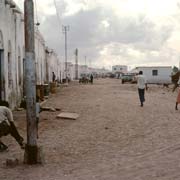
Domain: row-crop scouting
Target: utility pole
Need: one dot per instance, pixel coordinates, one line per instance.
(85, 60)
(76, 64)
(31, 149)
(85, 64)
(65, 29)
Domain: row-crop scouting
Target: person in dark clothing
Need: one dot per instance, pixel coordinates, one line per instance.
(53, 77)
(91, 79)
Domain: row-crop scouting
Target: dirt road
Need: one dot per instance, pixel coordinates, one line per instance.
(113, 139)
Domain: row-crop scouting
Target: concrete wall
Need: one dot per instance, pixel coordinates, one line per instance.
(53, 65)
(12, 53)
(70, 70)
(40, 58)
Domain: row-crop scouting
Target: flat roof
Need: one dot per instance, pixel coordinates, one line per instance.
(154, 67)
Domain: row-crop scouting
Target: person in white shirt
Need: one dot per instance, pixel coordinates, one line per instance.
(7, 126)
(141, 82)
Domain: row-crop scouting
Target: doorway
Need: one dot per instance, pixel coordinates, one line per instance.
(2, 78)
(2, 81)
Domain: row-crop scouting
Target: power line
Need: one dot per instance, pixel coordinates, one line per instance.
(57, 13)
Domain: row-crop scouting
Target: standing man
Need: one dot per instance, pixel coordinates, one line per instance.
(53, 77)
(141, 82)
(91, 79)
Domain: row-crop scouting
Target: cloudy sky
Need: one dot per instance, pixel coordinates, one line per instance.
(111, 32)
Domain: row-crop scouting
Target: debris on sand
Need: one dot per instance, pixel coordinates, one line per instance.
(49, 109)
(67, 115)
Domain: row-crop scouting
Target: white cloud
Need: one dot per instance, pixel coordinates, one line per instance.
(131, 32)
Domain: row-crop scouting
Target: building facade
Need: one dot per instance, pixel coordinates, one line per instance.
(119, 69)
(12, 54)
(157, 74)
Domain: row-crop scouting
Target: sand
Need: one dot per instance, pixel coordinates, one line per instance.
(113, 138)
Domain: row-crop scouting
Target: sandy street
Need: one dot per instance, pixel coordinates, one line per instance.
(113, 139)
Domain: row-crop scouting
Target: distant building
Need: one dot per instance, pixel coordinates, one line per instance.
(83, 70)
(156, 74)
(118, 70)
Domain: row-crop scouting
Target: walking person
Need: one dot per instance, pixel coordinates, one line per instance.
(178, 96)
(91, 79)
(177, 100)
(141, 82)
(7, 126)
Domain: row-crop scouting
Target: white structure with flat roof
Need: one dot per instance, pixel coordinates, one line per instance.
(156, 74)
(119, 69)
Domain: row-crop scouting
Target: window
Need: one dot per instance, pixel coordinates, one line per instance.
(154, 72)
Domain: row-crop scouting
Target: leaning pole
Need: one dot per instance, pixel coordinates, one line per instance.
(31, 149)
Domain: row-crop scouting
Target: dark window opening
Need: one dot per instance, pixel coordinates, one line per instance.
(154, 72)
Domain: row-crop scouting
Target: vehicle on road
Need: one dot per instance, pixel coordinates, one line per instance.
(128, 78)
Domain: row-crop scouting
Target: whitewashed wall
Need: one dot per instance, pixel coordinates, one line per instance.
(70, 71)
(12, 53)
(163, 76)
(62, 71)
(40, 58)
(53, 65)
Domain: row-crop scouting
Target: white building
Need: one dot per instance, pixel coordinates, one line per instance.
(83, 70)
(11, 52)
(119, 69)
(40, 57)
(52, 65)
(156, 74)
(70, 71)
